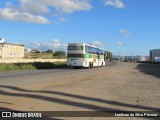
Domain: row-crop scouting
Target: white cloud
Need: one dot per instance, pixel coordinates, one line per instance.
(97, 43)
(115, 3)
(34, 6)
(35, 10)
(15, 15)
(67, 6)
(2, 40)
(56, 41)
(54, 45)
(125, 32)
(62, 19)
(119, 43)
(70, 6)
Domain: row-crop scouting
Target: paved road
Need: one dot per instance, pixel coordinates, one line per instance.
(27, 78)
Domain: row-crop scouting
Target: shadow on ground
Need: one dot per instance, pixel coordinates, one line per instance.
(28, 94)
(47, 65)
(150, 69)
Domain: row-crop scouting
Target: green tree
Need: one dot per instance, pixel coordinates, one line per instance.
(49, 51)
(109, 55)
(59, 54)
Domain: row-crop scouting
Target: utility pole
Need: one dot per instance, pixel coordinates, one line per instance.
(132, 55)
(119, 50)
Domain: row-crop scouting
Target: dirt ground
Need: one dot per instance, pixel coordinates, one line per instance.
(116, 87)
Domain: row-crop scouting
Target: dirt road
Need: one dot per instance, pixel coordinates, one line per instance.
(118, 86)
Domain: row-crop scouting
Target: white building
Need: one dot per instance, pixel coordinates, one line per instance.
(8, 50)
(155, 55)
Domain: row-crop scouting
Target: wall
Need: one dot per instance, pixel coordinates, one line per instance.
(30, 60)
(0, 52)
(12, 51)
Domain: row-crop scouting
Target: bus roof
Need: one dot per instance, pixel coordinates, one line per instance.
(70, 44)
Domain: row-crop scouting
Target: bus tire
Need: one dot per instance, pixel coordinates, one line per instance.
(90, 66)
(101, 65)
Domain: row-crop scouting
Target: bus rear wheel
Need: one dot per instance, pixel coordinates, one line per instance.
(101, 65)
(90, 66)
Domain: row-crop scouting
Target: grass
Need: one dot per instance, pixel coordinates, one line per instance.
(4, 67)
(39, 55)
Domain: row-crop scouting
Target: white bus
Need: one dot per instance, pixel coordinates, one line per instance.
(85, 55)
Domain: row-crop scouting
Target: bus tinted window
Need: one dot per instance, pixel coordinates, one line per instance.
(75, 47)
(92, 50)
(101, 52)
(88, 49)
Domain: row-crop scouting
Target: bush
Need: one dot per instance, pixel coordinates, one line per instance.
(59, 54)
(30, 66)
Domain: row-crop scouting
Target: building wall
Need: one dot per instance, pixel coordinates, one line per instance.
(12, 51)
(17, 60)
(0, 50)
(0, 53)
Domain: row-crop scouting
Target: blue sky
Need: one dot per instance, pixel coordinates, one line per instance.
(131, 27)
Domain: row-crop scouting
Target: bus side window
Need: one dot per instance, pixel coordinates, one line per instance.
(96, 50)
(89, 49)
(86, 47)
(92, 50)
(100, 52)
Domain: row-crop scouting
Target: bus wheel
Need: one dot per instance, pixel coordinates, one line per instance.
(89, 66)
(102, 64)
